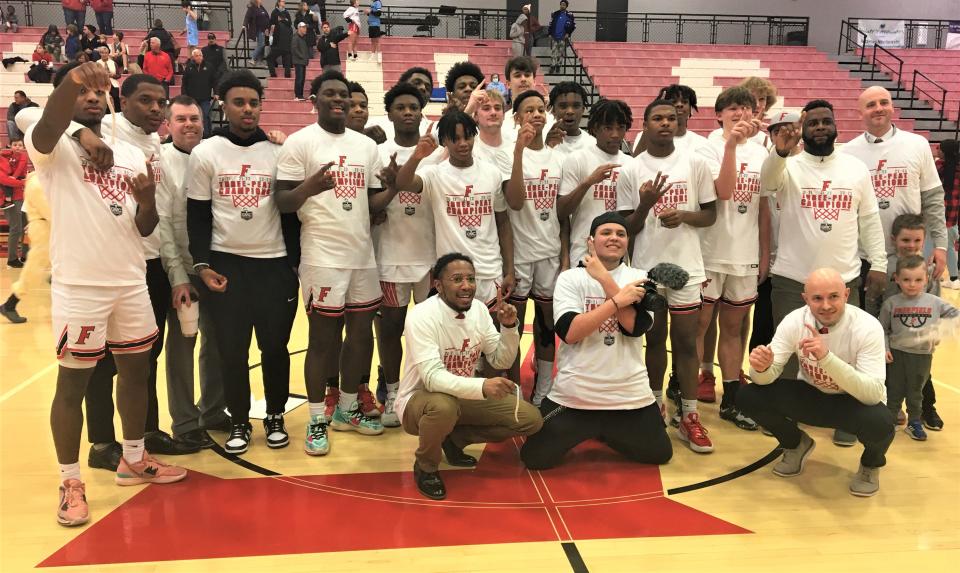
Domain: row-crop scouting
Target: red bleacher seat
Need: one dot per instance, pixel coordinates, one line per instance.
(941, 66)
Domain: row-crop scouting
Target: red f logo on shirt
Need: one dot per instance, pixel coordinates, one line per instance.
(880, 165)
(465, 345)
(468, 190)
(826, 187)
(743, 168)
(343, 160)
(543, 174)
(322, 294)
(244, 169)
(85, 332)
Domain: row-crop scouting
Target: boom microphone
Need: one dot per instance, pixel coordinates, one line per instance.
(669, 275)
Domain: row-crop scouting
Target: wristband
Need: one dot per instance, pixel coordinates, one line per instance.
(617, 306)
(200, 266)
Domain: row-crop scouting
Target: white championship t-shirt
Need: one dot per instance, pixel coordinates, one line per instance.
(692, 186)
(901, 167)
(734, 239)
(501, 157)
(605, 370)
(94, 238)
(239, 182)
(464, 203)
(821, 200)
(611, 194)
(573, 143)
(407, 238)
(536, 228)
(336, 223)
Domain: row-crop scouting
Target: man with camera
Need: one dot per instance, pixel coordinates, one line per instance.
(601, 390)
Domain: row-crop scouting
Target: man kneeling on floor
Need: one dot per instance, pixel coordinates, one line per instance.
(440, 398)
(842, 372)
(601, 390)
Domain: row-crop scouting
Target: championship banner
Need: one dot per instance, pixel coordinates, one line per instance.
(886, 33)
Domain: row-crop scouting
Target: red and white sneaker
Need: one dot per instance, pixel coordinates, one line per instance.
(706, 387)
(694, 434)
(330, 402)
(368, 405)
(73, 509)
(147, 470)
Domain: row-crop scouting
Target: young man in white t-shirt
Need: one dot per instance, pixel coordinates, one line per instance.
(602, 390)
(99, 291)
(469, 210)
(189, 417)
(244, 253)
(684, 98)
(596, 179)
(326, 173)
(490, 144)
(462, 80)
(531, 193)
(404, 244)
(841, 384)
(904, 175)
(441, 400)
(520, 73)
(668, 219)
(420, 78)
(567, 103)
(736, 248)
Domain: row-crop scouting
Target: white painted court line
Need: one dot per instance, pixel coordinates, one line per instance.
(11, 392)
(947, 386)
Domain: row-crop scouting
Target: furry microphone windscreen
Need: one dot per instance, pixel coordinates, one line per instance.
(669, 275)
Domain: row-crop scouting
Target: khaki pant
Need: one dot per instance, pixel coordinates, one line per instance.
(38, 259)
(434, 415)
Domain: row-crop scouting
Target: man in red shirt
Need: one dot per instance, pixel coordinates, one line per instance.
(74, 12)
(158, 64)
(13, 172)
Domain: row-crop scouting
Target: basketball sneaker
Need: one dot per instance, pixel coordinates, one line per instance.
(316, 443)
(931, 419)
(239, 439)
(147, 470)
(330, 401)
(367, 404)
(73, 509)
(914, 429)
(694, 434)
(276, 431)
(732, 414)
(390, 419)
(706, 387)
(354, 419)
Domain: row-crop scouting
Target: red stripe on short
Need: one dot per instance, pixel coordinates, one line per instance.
(739, 303)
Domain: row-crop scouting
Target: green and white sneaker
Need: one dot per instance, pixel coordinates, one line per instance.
(355, 420)
(317, 443)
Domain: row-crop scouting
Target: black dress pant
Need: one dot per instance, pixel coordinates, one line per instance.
(763, 328)
(780, 406)
(639, 434)
(99, 397)
(262, 297)
(285, 56)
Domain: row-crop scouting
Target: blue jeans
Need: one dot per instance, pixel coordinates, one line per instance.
(78, 17)
(105, 22)
(261, 43)
(205, 106)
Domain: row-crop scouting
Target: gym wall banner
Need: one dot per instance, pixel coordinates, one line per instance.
(886, 33)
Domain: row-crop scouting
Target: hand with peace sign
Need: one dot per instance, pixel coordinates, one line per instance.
(652, 191)
(320, 181)
(506, 312)
(813, 346)
(787, 136)
(426, 146)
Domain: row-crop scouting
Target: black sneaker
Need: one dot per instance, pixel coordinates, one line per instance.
(932, 420)
(239, 439)
(429, 483)
(455, 455)
(276, 432)
(731, 414)
(107, 458)
(15, 264)
(160, 442)
(12, 315)
(198, 438)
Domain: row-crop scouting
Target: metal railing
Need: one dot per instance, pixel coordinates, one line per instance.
(917, 32)
(133, 14)
(853, 40)
(930, 97)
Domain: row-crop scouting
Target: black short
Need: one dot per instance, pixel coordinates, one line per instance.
(375, 31)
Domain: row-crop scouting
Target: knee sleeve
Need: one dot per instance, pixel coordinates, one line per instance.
(547, 335)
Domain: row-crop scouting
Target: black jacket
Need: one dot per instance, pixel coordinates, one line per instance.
(282, 30)
(330, 55)
(215, 58)
(199, 81)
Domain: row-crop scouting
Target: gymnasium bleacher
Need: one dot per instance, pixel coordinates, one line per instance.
(941, 66)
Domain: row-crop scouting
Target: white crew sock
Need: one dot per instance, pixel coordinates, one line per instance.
(347, 400)
(393, 388)
(70, 471)
(688, 406)
(317, 408)
(706, 367)
(133, 450)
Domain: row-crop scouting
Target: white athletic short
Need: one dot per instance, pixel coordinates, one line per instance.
(397, 294)
(536, 280)
(487, 291)
(732, 290)
(89, 320)
(684, 301)
(331, 292)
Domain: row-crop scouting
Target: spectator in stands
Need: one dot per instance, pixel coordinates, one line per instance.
(13, 172)
(214, 56)
(53, 42)
(107, 63)
(352, 16)
(41, 71)
(518, 32)
(103, 10)
(281, 35)
(373, 27)
(158, 64)
(167, 43)
(307, 17)
(319, 8)
(11, 23)
(256, 22)
(191, 28)
(948, 167)
(71, 45)
(74, 12)
(120, 53)
(20, 101)
(300, 51)
(199, 82)
(82, 57)
(89, 41)
(496, 84)
(561, 26)
(329, 46)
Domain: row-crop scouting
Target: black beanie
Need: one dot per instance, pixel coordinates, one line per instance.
(608, 217)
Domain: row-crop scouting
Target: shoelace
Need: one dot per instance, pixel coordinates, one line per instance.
(274, 424)
(318, 430)
(366, 400)
(694, 428)
(74, 495)
(360, 416)
(238, 432)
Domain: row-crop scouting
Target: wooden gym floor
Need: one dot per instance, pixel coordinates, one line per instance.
(358, 507)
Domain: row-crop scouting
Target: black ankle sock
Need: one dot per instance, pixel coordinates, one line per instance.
(333, 382)
(729, 393)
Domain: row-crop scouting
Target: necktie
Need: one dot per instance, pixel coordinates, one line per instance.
(460, 316)
(878, 140)
(823, 330)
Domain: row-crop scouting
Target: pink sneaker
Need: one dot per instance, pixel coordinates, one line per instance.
(73, 509)
(368, 405)
(148, 470)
